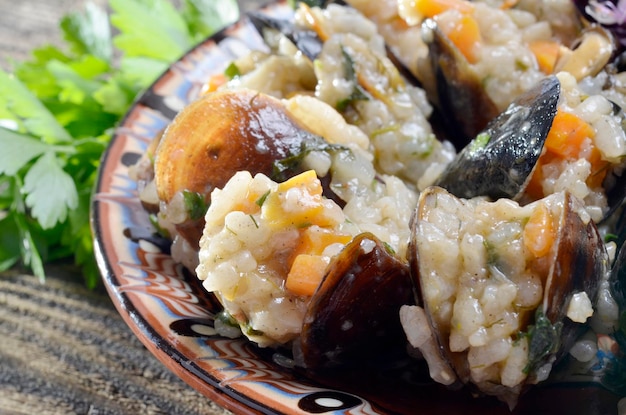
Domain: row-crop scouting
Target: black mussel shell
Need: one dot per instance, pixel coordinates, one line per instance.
(463, 103)
(499, 161)
(353, 316)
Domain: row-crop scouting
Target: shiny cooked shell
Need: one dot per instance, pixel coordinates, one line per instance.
(459, 92)
(218, 135)
(500, 160)
(222, 133)
(353, 315)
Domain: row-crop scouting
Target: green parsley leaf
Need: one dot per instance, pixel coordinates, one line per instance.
(232, 71)
(17, 150)
(479, 142)
(207, 16)
(89, 33)
(28, 111)
(160, 33)
(51, 192)
(59, 109)
(195, 205)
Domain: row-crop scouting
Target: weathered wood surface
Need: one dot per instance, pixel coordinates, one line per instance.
(65, 349)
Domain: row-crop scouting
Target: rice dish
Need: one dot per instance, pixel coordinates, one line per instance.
(370, 158)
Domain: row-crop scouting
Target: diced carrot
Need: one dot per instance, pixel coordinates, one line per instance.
(539, 232)
(508, 4)
(214, 83)
(567, 134)
(306, 179)
(466, 36)
(431, 8)
(313, 240)
(298, 203)
(306, 273)
(547, 53)
(565, 141)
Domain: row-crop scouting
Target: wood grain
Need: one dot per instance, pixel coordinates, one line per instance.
(65, 349)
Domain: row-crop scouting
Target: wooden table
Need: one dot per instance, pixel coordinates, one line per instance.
(65, 349)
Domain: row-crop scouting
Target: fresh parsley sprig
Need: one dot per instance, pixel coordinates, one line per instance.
(59, 110)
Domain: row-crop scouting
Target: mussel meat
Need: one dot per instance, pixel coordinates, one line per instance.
(504, 289)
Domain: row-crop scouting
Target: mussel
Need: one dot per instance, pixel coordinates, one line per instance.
(458, 90)
(290, 271)
(504, 289)
(552, 138)
(213, 138)
(353, 316)
(501, 158)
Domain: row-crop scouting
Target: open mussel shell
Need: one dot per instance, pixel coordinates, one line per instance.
(458, 92)
(499, 161)
(462, 270)
(307, 41)
(218, 135)
(353, 316)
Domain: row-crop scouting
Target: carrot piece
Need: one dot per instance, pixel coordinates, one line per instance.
(431, 8)
(547, 53)
(466, 36)
(566, 141)
(508, 4)
(567, 135)
(539, 232)
(313, 240)
(214, 83)
(306, 273)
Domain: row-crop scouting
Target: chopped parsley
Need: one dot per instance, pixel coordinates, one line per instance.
(358, 93)
(480, 142)
(544, 339)
(195, 206)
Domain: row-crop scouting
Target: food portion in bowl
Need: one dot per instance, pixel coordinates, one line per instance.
(314, 191)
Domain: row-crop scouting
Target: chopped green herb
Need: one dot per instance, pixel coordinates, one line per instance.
(310, 3)
(521, 65)
(284, 168)
(159, 229)
(227, 319)
(195, 206)
(480, 142)
(254, 221)
(358, 93)
(544, 339)
(263, 198)
(232, 71)
(250, 331)
(389, 129)
(389, 248)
